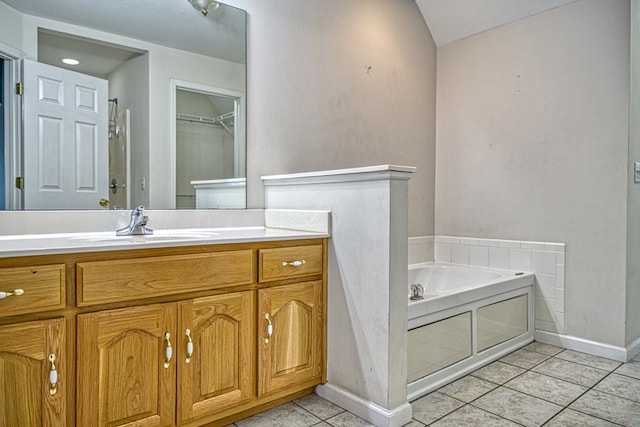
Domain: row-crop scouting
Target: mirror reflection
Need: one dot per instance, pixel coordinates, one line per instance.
(167, 132)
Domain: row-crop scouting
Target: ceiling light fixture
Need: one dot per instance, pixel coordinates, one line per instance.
(204, 6)
(70, 61)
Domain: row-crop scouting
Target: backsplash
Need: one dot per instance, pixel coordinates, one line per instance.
(546, 260)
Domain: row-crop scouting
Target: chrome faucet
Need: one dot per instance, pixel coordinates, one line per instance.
(137, 225)
(417, 292)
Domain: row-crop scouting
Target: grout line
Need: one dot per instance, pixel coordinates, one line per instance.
(564, 407)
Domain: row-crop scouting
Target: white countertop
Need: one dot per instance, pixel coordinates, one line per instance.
(45, 244)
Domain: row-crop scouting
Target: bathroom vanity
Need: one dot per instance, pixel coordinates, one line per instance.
(168, 333)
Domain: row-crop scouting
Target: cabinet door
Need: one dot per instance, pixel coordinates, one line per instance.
(218, 373)
(27, 397)
(290, 335)
(126, 369)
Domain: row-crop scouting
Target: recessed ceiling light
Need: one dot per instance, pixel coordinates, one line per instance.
(70, 61)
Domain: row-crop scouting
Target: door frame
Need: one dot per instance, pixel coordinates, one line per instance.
(239, 148)
(13, 126)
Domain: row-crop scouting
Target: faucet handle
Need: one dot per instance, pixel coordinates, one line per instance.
(137, 211)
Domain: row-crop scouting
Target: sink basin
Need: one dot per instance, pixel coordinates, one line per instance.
(157, 236)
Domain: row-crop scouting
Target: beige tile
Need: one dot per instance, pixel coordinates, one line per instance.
(414, 423)
(347, 419)
(547, 388)
(620, 386)
(608, 407)
(524, 358)
(569, 371)
(434, 406)
(468, 388)
(571, 418)
(631, 369)
(589, 360)
(287, 415)
(538, 347)
(518, 407)
(470, 416)
(498, 372)
(318, 406)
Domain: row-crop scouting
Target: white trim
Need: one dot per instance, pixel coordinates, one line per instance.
(8, 52)
(367, 173)
(585, 346)
(369, 411)
(633, 349)
(13, 126)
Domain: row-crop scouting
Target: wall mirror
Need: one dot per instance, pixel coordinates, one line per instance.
(169, 129)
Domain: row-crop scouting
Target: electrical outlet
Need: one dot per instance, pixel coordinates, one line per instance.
(143, 183)
(636, 172)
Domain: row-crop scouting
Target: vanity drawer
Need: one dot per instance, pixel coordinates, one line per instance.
(129, 279)
(42, 286)
(294, 261)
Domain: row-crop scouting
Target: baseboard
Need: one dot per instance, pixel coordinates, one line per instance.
(369, 411)
(608, 351)
(633, 349)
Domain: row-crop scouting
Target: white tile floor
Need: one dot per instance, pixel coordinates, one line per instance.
(538, 385)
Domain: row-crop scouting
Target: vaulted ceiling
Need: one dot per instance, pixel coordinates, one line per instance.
(451, 20)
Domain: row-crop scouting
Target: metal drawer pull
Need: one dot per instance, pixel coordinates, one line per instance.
(168, 351)
(187, 359)
(269, 328)
(16, 292)
(53, 376)
(293, 263)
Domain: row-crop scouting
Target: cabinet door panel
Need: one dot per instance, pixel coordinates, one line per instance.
(293, 353)
(122, 378)
(219, 373)
(26, 396)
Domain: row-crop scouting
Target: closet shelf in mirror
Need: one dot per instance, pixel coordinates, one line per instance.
(223, 119)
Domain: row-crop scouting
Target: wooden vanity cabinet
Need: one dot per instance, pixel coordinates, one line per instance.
(290, 344)
(33, 373)
(216, 371)
(124, 373)
(163, 337)
(291, 340)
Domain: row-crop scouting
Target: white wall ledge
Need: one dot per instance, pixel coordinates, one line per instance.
(366, 173)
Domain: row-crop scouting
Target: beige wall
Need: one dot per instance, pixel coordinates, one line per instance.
(335, 84)
(10, 27)
(532, 135)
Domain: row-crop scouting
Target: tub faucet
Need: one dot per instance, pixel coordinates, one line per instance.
(138, 224)
(416, 292)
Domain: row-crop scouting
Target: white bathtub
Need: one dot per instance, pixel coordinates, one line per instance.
(469, 317)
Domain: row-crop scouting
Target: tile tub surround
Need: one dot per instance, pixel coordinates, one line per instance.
(520, 389)
(546, 260)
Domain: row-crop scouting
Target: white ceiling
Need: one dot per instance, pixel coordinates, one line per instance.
(451, 20)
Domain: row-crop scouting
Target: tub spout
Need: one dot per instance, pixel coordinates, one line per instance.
(417, 291)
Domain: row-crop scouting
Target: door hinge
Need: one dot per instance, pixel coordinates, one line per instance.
(20, 182)
(19, 88)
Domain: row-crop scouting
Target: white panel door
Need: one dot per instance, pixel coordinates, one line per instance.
(66, 153)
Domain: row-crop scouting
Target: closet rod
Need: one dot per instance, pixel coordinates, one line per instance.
(209, 120)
